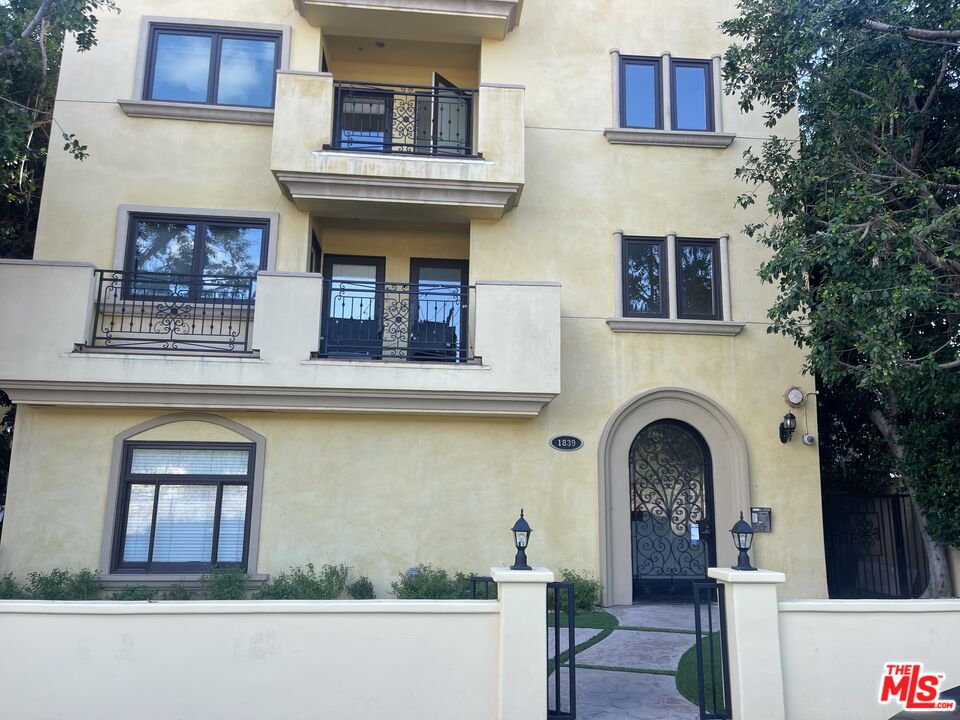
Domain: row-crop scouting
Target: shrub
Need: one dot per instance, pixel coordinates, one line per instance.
(10, 589)
(586, 590)
(426, 582)
(361, 589)
(63, 585)
(300, 583)
(135, 592)
(177, 592)
(224, 584)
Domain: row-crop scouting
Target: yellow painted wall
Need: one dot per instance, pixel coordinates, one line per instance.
(395, 242)
(385, 492)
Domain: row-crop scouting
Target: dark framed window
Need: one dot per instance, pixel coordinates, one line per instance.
(645, 284)
(691, 95)
(698, 279)
(641, 93)
(204, 255)
(439, 309)
(184, 506)
(212, 66)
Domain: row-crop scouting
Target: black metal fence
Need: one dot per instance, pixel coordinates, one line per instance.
(483, 587)
(713, 671)
(171, 312)
(561, 611)
(400, 321)
(874, 547)
(376, 117)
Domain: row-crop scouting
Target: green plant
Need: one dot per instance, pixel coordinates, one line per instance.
(224, 584)
(63, 585)
(586, 590)
(177, 592)
(10, 589)
(361, 589)
(300, 583)
(135, 592)
(425, 582)
(687, 681)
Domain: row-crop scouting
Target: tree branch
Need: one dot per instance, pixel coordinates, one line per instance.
(912, 32)
(11, 51)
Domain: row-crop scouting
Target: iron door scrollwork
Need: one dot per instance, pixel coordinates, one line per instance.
(669, 491)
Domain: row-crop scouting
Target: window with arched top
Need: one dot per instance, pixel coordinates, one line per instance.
(185, 496)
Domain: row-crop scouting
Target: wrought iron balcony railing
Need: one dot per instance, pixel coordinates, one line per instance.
(428, 120)
(396, 321)
(171, 312)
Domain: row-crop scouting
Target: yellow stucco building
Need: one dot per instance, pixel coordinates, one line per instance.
(337, 276)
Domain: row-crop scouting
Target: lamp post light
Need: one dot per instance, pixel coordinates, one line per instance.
(521, 538)
(742, 538)
(787, 427)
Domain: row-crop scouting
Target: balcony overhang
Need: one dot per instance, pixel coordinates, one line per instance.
(323, 178)
(451, 20)
(415, 198)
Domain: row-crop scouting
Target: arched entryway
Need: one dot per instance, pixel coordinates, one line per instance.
(671, 510)
(725, 448)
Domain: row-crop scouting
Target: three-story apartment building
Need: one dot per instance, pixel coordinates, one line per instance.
(336, 275)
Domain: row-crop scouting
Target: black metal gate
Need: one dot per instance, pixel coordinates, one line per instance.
(713, 670)
(561, 617)
(874, 547)
(560, 608)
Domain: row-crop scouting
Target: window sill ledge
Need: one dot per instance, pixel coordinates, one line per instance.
(676, 327)
(673, 138)
(191, 581)
(203, 113)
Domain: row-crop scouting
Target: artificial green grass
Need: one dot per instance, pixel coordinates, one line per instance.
(687, 675)
(598, 620)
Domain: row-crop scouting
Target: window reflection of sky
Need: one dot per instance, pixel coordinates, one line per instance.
(246, 72)
(691, 97)
(182, 68)
(640, 95)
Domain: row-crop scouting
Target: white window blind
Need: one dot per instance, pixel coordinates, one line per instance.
(185, 515)
(188, 461)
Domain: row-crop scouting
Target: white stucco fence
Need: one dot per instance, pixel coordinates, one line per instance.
(405, 660)
(814, 659)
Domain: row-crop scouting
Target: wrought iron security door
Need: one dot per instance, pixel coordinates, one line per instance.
(671, 506)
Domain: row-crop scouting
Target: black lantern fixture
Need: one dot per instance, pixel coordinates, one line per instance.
(787, 427)
(521, 538)
(743, 538)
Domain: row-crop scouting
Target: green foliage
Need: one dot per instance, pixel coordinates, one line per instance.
(864, 212)
(135, 592)
(687, 682)
(425, 582)
(361, 589)
(62, 585)
(586, 590)
(224, 584)
(176, 592)
(10, 589)
(300, 583)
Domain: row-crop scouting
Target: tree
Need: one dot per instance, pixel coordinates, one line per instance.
(864, 212)
(32, 33)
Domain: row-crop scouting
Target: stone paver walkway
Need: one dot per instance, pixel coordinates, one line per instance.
(630, 674)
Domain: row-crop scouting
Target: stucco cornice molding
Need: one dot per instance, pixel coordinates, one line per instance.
(481, 200)
(190, 111)
(506, 11)
(671, 138)
(428, 402)
(675, 327)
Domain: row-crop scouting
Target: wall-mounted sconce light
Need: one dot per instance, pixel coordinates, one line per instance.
(787, 427)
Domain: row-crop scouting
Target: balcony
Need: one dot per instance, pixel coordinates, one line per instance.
(454, 20)
(75, 335)
(372, 150)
